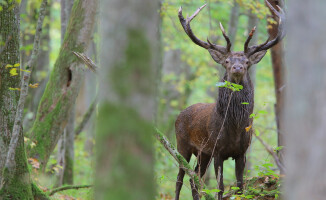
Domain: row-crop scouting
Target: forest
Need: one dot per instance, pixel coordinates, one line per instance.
(119, 99)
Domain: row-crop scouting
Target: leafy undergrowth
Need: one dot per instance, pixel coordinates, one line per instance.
(260, 188)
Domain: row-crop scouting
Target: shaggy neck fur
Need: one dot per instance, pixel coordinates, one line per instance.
(237, 117)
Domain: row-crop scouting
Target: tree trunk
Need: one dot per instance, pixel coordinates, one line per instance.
(305, 108)
(66, 141)
(19, 185)
(233, 23)
(64, 83)
(127, 107)
(277, 53)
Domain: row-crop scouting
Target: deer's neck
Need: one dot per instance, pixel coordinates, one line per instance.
(236, 107)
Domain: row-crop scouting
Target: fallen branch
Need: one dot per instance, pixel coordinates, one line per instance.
(271, 151)
(68, 187)
(10, 161)
(182, 162)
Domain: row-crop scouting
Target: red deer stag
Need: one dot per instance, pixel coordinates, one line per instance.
(218, 130)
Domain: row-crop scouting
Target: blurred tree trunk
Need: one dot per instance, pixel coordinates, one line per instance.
(233, 23)
(64, 83)
(277, 53)
(305, 108)
(65, 157)
(127, 100)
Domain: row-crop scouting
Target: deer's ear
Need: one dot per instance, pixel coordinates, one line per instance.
(255, 58)
(217, 56)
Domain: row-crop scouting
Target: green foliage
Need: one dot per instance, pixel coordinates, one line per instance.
(232, 86)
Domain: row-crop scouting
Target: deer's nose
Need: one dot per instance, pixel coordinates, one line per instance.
(237, 68)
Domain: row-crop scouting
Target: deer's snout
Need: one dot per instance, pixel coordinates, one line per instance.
(237, 69)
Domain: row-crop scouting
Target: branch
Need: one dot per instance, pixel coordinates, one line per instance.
(68, 187)
(10, 161)
(271, 151)
(86, 117)
(182, 162)
(87, 61)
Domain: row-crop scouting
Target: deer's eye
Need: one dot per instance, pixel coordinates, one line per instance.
(226, 61)
(247, 62)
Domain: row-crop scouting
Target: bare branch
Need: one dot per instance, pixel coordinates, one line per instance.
(68, 187)
(24, 89)
(271, 151)
(86, 117)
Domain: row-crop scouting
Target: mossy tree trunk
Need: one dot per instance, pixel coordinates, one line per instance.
(130, 62)
(64, 83)
(18, 186)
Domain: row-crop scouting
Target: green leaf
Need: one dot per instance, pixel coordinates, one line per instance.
(235, 188)
(245, 103)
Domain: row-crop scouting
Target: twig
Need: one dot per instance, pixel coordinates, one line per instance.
(86, 117)
(68, 187)
(182, 162)
(271, 151)
(10, 161)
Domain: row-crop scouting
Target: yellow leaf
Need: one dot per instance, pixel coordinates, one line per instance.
(248, 128)
(16, 65)
(33, 145)
(13, 72)
(8, 66)
(14, 88)
(35, 85)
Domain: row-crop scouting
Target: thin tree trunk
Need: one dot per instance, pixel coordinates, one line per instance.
(127, 107)
(65, 142)
(64, 83)
(277, 53)
(305, 108)
(252, 22)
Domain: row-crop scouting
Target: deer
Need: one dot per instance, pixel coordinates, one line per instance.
(219, 130)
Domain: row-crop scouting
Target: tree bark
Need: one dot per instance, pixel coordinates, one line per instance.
(277, 53)
(18, 186)
(130, 62)
(305, 108)
(64, 83)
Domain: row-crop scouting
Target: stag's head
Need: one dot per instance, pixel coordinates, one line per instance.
(235, 63)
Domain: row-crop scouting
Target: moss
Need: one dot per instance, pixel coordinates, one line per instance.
(38, 193)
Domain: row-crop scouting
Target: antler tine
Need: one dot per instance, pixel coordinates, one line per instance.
(186, 26)
(248, 39)
(228, 46)
(280, 35)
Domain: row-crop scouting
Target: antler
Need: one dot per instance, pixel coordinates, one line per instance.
(207, 45)
(269, 43)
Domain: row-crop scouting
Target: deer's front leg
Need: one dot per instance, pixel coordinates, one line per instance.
(240, 163)
(218, 165)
